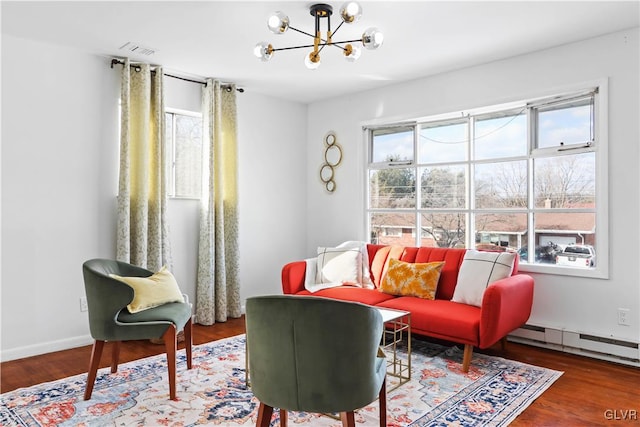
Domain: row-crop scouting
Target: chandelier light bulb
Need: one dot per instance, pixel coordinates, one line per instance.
(350, 12)
(264, 51)
(278, 23)
(352, 53)
(312, 61)
(372, 38)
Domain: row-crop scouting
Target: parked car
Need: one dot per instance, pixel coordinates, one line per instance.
(545, 254)
(582, 256)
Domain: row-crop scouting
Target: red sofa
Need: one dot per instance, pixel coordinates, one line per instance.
(506, 303)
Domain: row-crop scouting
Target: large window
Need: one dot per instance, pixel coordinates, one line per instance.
(184, 139)
(521, 177)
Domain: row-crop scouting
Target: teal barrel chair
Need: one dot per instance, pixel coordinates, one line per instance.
(314, 355)
(110, 320)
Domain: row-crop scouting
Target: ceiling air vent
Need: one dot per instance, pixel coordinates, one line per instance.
(137, 49)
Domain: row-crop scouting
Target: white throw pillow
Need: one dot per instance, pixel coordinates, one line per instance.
(478, 271)
(362, 247)
(339, 265)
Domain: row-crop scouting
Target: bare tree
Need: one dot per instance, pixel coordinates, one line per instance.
(446, 229)
(503, 186)
(565, 181)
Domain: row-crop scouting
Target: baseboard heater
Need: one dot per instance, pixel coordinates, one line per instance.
(605, 348)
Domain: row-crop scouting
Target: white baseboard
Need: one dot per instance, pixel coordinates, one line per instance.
(604, 348)
(46, 347)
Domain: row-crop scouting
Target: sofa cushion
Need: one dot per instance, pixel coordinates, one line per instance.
(440, 318)
(352, 293)
(380, 261)
(339, 265)
(412, 279)
(362, 247)
(479, 270)
(452, 258)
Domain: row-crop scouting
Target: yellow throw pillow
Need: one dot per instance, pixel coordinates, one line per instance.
(148, 292)
(412, 279)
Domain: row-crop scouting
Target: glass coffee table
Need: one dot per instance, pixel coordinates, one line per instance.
(397, 327)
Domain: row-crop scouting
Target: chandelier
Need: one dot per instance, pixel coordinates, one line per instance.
(350, 12)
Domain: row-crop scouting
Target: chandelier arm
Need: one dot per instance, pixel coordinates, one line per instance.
(340, 25)
(300, 31)
(323, 44)
(292, 47)
(347, 41)
(337, 45)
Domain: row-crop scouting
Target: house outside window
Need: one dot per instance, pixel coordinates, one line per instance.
(520, 177)
(184, 141)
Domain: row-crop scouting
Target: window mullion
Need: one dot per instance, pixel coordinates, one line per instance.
(532, 120)
(470, 202)
(174, 131)
(418, 184)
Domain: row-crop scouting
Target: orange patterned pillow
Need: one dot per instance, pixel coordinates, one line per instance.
(412, 279)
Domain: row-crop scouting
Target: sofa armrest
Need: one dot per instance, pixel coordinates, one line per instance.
(293, 275)
(506, 305)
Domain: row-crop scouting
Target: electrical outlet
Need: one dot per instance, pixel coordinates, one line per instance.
(623, 317)
(83, 304)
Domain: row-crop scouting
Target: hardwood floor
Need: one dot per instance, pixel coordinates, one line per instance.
(589, 393)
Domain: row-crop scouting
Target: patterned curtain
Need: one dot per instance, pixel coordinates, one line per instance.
(218, 288)
(142, 229)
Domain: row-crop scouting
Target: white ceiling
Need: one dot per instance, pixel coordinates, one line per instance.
(216, 38)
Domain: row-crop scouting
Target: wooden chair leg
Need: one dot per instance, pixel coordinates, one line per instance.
(115, 356)
(171, 343)
(283, 418)
(382, 401)
(503, 344)
(466, 358)
(94, 363)
(188, 343)
(348, 419)
(264, 415)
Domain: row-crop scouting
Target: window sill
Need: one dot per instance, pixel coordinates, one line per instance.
(592, 273)
(183, 198)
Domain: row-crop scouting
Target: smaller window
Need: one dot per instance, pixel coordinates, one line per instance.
(184, 142)
(567, 122)
(501, 135)
(392, 145)
(443, 142)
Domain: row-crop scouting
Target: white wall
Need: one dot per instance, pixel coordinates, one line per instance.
(575, 304)
(59, 183)
(59, 146)
(272, 180)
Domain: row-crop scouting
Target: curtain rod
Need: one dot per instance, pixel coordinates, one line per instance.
(115, 61)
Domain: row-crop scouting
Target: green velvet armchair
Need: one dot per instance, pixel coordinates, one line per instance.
(314, 355)
(109, 319)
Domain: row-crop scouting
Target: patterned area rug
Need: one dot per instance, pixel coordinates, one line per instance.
(492, 393)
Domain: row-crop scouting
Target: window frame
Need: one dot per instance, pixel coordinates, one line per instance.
(171, 150)
(598, 145)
